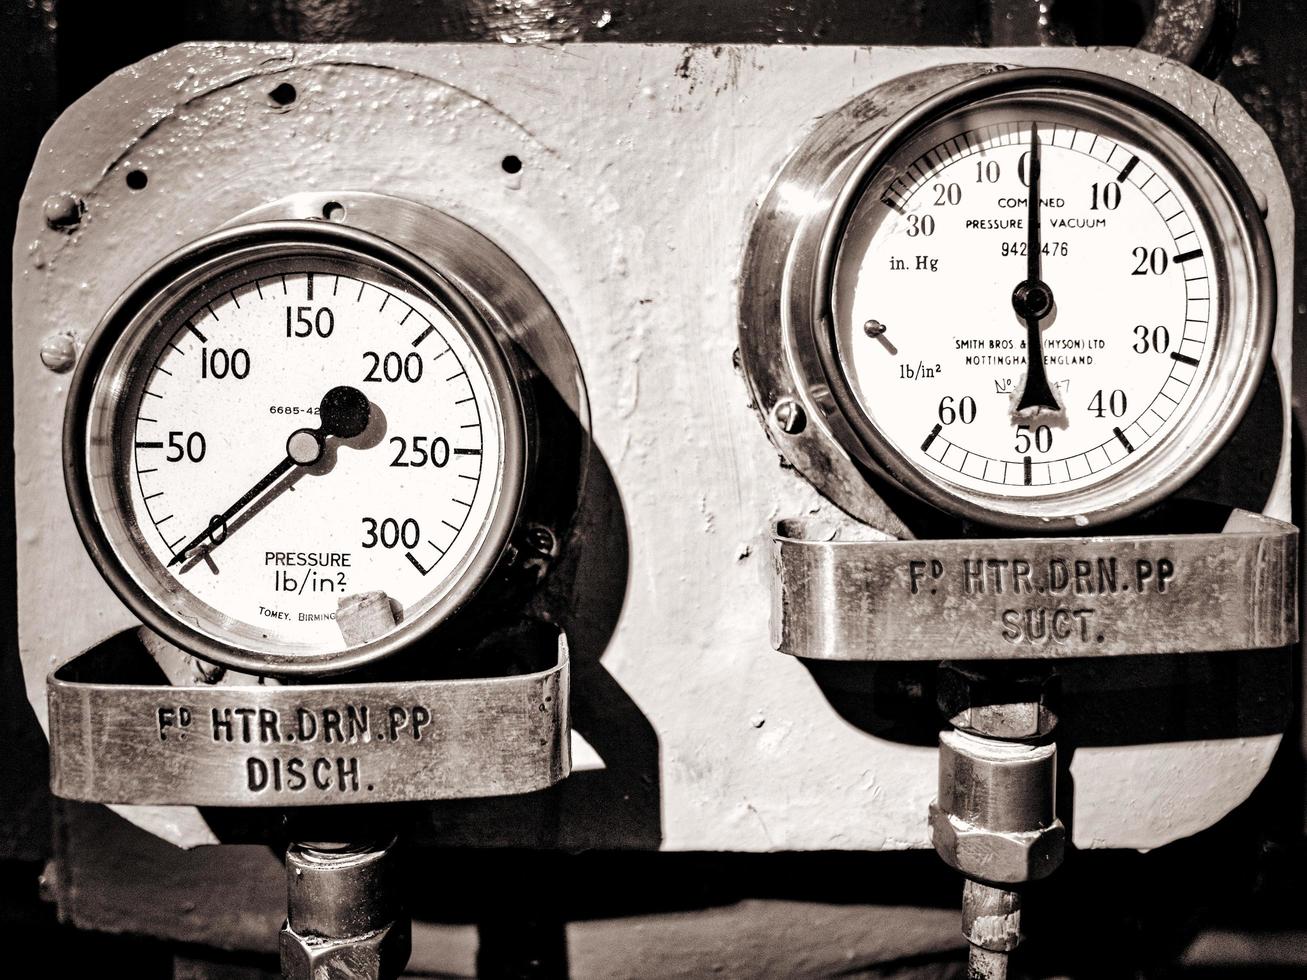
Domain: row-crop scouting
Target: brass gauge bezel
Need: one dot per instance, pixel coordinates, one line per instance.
(94, 424)
(852, 164)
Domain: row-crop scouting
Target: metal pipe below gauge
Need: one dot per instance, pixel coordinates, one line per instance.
(984, 964)
(991, 921)
(994, 819)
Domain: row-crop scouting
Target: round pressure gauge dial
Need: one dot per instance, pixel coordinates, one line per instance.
(285, 416)
(1040, 299)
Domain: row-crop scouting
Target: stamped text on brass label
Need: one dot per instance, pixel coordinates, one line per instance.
(1045, 600)
(324, 734)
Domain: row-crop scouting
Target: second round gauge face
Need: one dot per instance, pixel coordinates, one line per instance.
(1021, 348)
(296, 430)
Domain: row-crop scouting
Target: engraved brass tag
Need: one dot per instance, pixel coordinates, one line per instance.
(310, 744)
(1016, 598)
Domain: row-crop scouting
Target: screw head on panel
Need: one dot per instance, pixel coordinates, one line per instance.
(59, 352)
(789, 416)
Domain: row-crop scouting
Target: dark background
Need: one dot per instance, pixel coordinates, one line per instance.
(1228, 902)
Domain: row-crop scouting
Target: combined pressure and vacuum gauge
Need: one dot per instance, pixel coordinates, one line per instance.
(286, 414)
(1037, 299)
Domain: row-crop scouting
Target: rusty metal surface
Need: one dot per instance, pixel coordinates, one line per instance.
(1034, 597)
(708, 739)
(310, 744)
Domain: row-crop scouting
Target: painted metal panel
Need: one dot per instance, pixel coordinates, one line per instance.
(641, 166)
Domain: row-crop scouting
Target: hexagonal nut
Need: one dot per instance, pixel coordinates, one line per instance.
(997, 857)
(372, 956)
(998, 702)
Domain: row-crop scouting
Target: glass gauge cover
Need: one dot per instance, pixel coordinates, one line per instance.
(283, 416)
(1046, 299)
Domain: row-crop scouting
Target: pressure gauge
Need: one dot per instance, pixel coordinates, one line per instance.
(1036, 299)
(286, 414)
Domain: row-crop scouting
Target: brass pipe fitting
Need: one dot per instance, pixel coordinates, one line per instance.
(343, 913)
(994, 818)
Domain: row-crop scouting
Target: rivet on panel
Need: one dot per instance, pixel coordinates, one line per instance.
(63, 211)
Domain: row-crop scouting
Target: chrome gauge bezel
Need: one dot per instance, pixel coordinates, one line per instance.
(95, 462)
(788, 327)
(1233, 223)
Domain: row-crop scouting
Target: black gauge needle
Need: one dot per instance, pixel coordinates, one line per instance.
(344, 412)
(1032, 299)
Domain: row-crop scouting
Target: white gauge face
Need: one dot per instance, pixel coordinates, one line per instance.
(294, 431)
(1026, 391)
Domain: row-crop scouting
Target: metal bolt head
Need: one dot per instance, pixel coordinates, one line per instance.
(534, 551)
(789, 416)
(63, 211)
(59, 352)
(540, 540)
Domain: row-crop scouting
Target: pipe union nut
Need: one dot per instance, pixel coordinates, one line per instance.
(997, 857)
(999, 702)
(372, 956)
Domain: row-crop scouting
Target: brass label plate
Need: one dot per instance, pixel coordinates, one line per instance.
(311, 744)
(1013, 598)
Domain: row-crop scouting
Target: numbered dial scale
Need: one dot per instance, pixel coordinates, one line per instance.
(1043, 299)
(285, 416)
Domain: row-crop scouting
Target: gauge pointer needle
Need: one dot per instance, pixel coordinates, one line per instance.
(1032, 299)
(344, 412)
